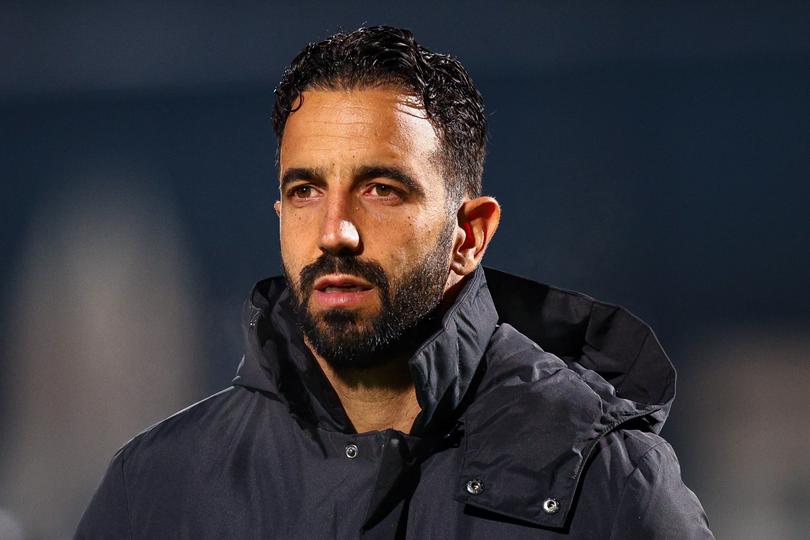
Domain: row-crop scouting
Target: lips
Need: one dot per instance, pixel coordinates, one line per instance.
(342, 291)
(340, 288)
(341, 284)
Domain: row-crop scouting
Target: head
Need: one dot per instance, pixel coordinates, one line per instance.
(381, 148)
(385, 56)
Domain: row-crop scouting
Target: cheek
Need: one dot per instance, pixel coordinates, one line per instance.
(403, 242)
(294, 230)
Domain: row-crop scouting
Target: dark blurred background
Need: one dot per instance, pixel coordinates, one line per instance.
(651, 154)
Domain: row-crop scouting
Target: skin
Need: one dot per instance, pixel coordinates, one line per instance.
(359, 175)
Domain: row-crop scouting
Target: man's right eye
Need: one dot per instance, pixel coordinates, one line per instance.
(301, 192)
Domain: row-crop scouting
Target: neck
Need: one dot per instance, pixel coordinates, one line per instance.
(377, 398)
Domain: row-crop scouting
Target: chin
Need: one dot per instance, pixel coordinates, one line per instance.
(356, 317)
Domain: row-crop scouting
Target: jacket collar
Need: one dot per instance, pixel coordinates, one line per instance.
(277, 361)
(444, 366)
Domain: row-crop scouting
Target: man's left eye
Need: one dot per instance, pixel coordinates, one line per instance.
(383, 191)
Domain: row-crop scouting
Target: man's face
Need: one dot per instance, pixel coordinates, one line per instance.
(365, 229)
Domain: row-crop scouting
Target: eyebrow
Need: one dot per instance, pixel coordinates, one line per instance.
(394, 173)
(302, 173)
(367, 172)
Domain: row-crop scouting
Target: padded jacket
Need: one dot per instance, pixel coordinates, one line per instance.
(540, 414)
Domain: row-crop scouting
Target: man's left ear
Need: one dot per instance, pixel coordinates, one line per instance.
(477, 221)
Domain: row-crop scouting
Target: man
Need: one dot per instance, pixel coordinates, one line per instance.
(391, 387)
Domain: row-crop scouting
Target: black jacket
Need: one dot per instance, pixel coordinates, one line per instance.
(548, 433)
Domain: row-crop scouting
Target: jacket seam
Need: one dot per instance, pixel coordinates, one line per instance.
(126, 499)
(641, 459)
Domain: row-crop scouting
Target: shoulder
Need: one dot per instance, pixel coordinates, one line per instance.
(185, 431)
(632, 487)
(153, 457)
(595, 451)
(189, 445)
(623, 451)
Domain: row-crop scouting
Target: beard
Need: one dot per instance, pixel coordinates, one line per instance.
(348, 340)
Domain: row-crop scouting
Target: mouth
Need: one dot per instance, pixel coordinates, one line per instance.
(341, 291)
(340, 284)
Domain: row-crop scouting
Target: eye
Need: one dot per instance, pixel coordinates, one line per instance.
(384, 191)
(304, 191)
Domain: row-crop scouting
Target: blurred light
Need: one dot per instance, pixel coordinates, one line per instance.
(10, 528)
(103, 342)
(748, 401)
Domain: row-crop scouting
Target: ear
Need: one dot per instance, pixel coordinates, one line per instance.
(477, 221)
(277, 208)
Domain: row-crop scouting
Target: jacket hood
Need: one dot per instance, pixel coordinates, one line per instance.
(540, 412)
(590, 334)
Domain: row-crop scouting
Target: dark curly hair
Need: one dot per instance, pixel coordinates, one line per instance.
(384, 55)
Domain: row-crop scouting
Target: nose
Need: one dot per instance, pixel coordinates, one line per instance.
(339, 234)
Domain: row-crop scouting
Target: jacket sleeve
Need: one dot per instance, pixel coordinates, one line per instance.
(107, 516)
(656, 504)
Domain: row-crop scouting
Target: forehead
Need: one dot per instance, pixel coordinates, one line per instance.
(350, 127)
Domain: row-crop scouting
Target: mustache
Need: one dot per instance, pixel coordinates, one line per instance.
(348, 264)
